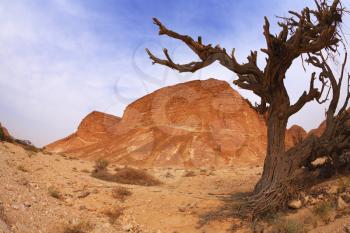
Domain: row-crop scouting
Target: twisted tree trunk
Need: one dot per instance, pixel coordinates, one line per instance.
(309, 32)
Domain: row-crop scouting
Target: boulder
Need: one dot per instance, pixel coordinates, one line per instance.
(295, 204)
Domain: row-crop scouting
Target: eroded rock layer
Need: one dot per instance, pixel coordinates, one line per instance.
(194, 124)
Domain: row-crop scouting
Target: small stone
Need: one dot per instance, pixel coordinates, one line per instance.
(333, 190)
(341, 204)
(27, 204)
(127, 227)
(306, 199)
(84, 194)
(295, 204)
(347, 228)
(346, 198)
(107, 225)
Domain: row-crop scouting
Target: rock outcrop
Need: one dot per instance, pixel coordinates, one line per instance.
(295, 135)
(4, 133)
(193, 124)
(94, 128)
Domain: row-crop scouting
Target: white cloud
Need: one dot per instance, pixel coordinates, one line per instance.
(55, 67)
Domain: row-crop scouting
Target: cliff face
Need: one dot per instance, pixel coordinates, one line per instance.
(322, 127)
(94, 128)
(295, 135)
(4, 132)
(193, 124)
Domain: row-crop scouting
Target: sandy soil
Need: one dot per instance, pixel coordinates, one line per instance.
(178, 205)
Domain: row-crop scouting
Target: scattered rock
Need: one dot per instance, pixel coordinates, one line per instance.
(295, 204)
(346, 197)
(341, 204)
(347, 228)
(27, 204)
(306, 199)
(333, 189)
(128, 227)
(84, 194)
(319, 161)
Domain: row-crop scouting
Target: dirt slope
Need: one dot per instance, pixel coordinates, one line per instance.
(178, 205)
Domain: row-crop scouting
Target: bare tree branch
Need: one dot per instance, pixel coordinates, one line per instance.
(306, 97)
(249, 74)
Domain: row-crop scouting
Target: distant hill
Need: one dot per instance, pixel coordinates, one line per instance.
(193, 124)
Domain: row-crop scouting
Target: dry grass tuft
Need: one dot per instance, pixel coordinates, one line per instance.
(324, 211)
(85, 170)
(121, 193)
(54, 192)
(189, 174)
(114, 214)
(288, 226)
(127, 176)
(3, 216)
(101, 164)
(22, 168)
(81, 227)
(344, 185)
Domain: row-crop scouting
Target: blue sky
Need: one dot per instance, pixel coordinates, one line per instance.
(61, 59)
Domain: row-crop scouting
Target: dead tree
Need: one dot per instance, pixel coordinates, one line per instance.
(314, 34)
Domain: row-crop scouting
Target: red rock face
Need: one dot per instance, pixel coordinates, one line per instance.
(295, 135)
(94, 128)
(193, 124)
(318, 131)
(5, 131)
(322, 127)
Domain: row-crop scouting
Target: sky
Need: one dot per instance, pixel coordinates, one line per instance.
(61, 59)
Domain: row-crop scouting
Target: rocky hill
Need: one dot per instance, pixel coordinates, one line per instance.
(193, 124)
(4, 133)
(94, 128)
(295, 135)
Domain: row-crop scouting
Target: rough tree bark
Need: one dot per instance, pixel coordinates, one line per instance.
(311, 33)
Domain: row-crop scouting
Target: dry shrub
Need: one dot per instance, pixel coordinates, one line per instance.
(344, 185)
(3, 216)
(114, 214)
(54, 192)
(324, 211)
(189, 174)
(81, 227)
(127, 176)
(121, 193)
(27, 145)
(85, 170)
(288, 226)
(101, 164)
(22, 168)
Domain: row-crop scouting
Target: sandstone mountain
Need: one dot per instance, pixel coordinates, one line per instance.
(94, 128)
(322, 127)
(295, 135)
(4, 133)
(193, 124)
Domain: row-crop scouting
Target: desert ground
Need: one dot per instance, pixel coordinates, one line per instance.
(43, 192)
